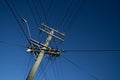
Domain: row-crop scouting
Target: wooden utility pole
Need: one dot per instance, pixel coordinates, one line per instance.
(39, 59)
(43, 50)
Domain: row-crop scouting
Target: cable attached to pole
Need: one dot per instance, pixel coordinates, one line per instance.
(13, 10)
(77, 66)
(90, 50)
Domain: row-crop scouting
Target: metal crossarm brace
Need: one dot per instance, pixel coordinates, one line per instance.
(53, 29)
(50, 34)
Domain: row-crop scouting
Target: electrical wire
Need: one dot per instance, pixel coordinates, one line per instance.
(55, 44)
(42, 71)
(70, 21)
(37, 11)
(57, 64)
(69, 18)
(50, 5)
(54, 71)
(61, 70)
(14, 44)
(90, 50)
(32, 12)
(45, 15)
(66, 13)
(42, 7)
(28, 61)
(13, 10)
(77, 66)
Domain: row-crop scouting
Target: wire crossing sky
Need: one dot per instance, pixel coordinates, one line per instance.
(91, 27)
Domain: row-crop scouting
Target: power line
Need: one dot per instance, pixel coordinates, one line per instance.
(54, 71)
(61, 70)
(42, 70)
(50, 5)
(77, 66)
(32, 13)
(45, 15)
(73, 16)
(15, 16)
(90, 50)
(19, 45)
(37, 11)
(28, 61)
(14, 44)
(42, 7)
(55, 44)
(66, 13)
(58, 69)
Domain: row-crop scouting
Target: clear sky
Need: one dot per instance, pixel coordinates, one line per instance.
(88, 24)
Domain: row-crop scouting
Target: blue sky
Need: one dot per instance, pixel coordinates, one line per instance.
(89, 25)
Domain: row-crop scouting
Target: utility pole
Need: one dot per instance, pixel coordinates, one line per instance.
(43, 50)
